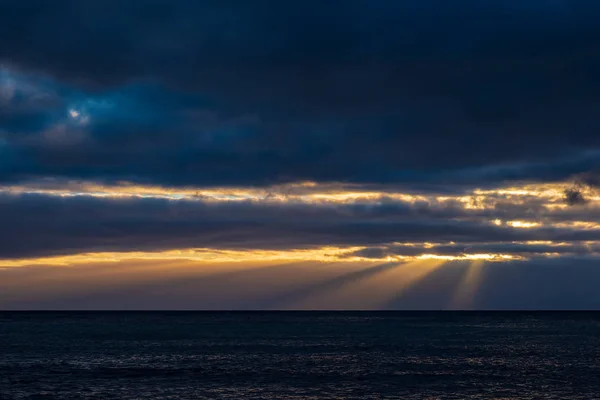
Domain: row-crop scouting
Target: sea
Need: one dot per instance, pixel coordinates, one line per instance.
(299, 355)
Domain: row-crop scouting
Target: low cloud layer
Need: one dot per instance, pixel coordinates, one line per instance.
(42, 225)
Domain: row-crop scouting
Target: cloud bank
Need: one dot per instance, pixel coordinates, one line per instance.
(230, 93)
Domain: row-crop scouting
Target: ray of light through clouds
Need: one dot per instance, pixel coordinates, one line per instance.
(374, 162)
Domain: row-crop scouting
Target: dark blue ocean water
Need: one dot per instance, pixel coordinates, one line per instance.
(301, 355)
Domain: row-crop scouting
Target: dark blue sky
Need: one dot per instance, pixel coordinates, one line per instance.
(385, 91)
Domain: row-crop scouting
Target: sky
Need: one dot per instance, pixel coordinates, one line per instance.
(356, 154)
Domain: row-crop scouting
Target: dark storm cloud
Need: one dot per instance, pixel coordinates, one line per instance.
(469, 93)
(574, 197)
(37, 225)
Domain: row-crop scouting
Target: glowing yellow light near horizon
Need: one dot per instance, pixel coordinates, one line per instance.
(517, 224)
(534, 242)
(481, 256)
(324, 254)
(551, 254)
(523, 224)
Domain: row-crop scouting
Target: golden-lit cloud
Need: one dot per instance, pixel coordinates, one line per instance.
(523, 224)
(325, 254)
(310, 192)
(529, 211)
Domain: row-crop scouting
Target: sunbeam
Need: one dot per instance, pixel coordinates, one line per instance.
(366, 289)
(408, 276)
(415, 271)
(318, 295)
(468, 286)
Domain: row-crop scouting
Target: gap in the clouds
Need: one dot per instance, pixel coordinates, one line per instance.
(44, 119)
